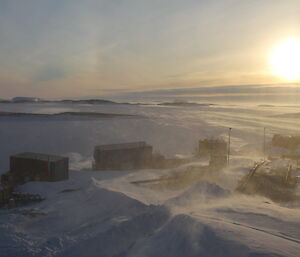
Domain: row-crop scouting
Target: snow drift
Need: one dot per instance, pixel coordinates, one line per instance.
(103, 214)
(203, 191)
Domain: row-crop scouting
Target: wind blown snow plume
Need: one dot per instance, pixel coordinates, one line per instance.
(97, 213)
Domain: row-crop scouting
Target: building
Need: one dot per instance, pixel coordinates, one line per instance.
(218, 161)
(135, 155)
(212, 146)
(291, 143)
(26, 167)
(216, 150)
(4, 195)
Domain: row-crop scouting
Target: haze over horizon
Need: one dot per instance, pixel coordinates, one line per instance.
(66, 48)
(149, 128)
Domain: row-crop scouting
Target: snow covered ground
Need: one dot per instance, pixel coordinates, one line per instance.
(98, 213)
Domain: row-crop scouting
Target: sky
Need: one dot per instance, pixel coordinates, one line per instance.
(75, 48)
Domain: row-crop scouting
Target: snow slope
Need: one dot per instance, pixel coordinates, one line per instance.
(98, 213)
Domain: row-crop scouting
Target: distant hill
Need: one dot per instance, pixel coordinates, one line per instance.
(21, 99)
(71, 101)
(184, 103)
(88, 101)
(95, 115)
(266, 105)
(288, 115)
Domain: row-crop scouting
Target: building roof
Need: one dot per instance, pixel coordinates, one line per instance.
(131, 145)
(39, 156)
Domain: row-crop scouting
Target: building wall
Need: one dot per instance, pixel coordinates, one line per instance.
(61, 170)
(26, 169)
(218, 161)
(123, 159)
(287, 142)
(4, 196)
(212, 147)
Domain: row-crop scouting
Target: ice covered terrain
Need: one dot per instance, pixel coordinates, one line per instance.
(98, 213)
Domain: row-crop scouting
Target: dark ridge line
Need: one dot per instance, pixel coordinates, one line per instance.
(74, 114)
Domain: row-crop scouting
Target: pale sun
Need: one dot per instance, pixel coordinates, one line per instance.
(285, 60)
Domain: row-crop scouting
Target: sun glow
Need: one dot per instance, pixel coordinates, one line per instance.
(285, 60)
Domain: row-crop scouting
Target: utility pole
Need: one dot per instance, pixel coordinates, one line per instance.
(228, 149)
(264, 146)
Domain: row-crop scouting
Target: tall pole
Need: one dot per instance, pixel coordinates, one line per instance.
(228, 149)
(264, 147)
